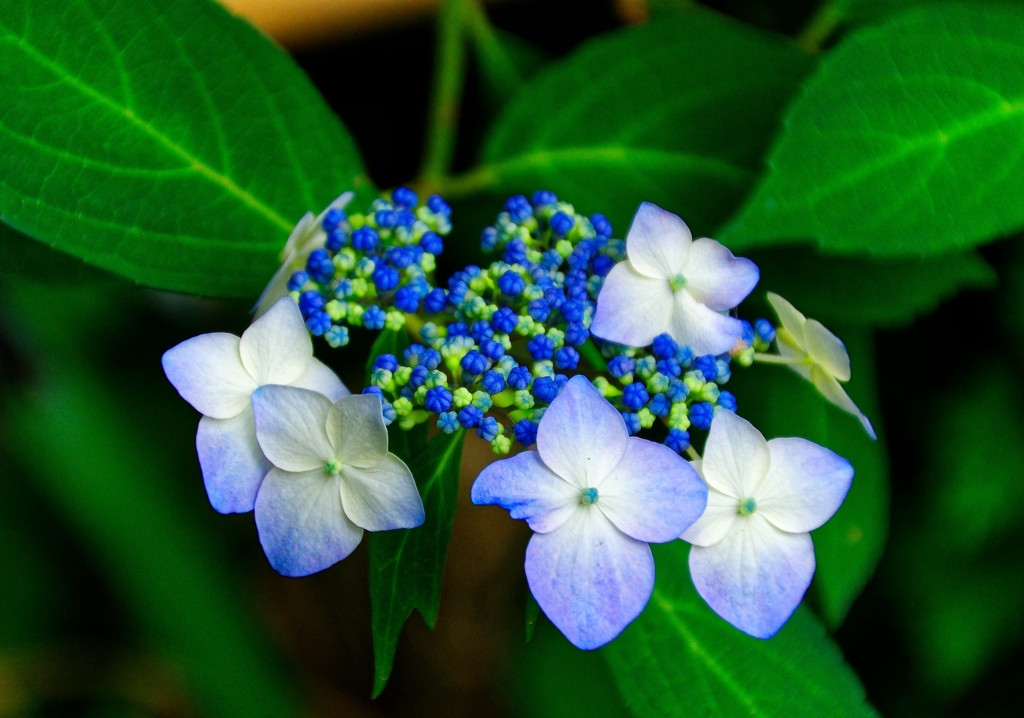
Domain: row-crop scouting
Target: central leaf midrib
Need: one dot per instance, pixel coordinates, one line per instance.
(192, 162)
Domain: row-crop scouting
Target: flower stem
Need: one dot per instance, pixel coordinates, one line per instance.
(776, 359)
(692, 453)
(822, 24)
(449, 69)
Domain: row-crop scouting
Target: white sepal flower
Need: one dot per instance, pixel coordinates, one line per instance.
(817, 355)
(672, 284)
(752, 557)
(308, 235)
(332, 477)
(595, 497)
(217, 374)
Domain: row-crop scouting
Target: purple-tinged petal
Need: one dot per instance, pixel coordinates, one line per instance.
(276, 348)
(736, 456)
(658, 242)
(291, 427)
(702, 329)
(320, 378)
(804, 486)
(381, 497)
(831, 390)
(756, 576)
(582, 437)
(589, 578)
(632, 309)
(653, 494)
(356, 430)
(301, 524)
(528, 489)
(233, 464)
(721, 514)
(716, 278)
(208, 373)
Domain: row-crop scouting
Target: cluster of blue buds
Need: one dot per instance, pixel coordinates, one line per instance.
(374, 268)
(498, 343)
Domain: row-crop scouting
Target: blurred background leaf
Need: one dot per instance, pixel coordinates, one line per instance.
(170, 143)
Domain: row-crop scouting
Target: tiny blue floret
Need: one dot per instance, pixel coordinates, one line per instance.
(438, 399)
(701, 415)
(635, 396)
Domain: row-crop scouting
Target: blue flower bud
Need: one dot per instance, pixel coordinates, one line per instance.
(418, 377)
(518, 208)
(448, 422)
(701, 415)
(437, 205)
(664, 347)
(635, 395)
(318, 322)
(365, 239)
(620, 366)
(385, 278)
(660, 405)
(632, 422)
(319, 265)
(543, 196)
(576, 334)
(404, 197)
(333, 218)
(539, 310)
(515, 251)
(525, 432)
(541, 347)
(386, 361)
(678, 440)
(504, 320)
(474, 362)
(492, 349)
(310, 301)
(545, 388)
(336, 239)
(511, 283)
(488, 428)
(567, 358)
(707, 366)
(572, 310)
(602, 227)
(438, 399)
(519, 377)
(669, 367)
(551, 259)
(602, 265)
(435, 300)
(374, 317)
(493, 382)
(764, 330)
(727, 400)
(561, 224)
(407, 299)
(431, 243)
(297, 281)
(470, 416)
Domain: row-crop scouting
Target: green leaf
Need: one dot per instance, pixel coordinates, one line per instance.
(870, 291)
(168, 142)
(849, 546)
(406, 565)
(907, 141)
(677, 112)
(680, 659)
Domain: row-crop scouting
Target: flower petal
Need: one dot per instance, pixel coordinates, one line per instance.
(381, 497)
(291, 427)
(528, 489)
(717, 520)
(756, 576)
(658, 242)
(835, 393)
(827, 350)
(703, 330)
(233, 464)
(301, 524)
(736, 456)
(320, 378)
(356, 430)
(789, 318)
(589, 578)
(653, 494)
(208, 373)
(276, 348)
(805, 485)
(581, 437)
(716, 277)
(632, 309)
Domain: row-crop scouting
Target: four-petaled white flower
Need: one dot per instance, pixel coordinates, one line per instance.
(217, 374)
(752, 558)
(308, 235)
(817, 355)
(594, 496)
(672, 284)
(332, 478)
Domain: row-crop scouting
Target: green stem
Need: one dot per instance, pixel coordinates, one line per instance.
(692, 453)
(449, 69)
(776, 359)
(492, 54)
(822, 24)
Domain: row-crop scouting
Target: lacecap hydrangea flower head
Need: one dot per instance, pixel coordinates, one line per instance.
(595, 497)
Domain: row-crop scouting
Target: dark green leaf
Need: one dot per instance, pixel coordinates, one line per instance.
(406, 565)
(907, 141)
(680, 659)
(677, 112)
(862, 290)
(168, 142)
(848, 547)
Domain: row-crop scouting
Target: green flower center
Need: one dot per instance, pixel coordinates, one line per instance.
(333, 467)
(677, 282)
(747, 507)
(588, 496)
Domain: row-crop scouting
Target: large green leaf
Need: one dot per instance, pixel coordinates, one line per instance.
(908, 140)
(406, 566)
(169, 142)
(677, 112)
(680, 659)
(865, 290)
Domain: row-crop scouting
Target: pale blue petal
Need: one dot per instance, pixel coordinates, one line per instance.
(276, 348)
(716, 522)
(301, 524)
(291, 427)
(381, 497)
(589, 578)
(233, 464)
(658, 242)
(805, 485)
(632, 309)
(528, 489)
(653, 494)
(208, 373)
(703, 330)
(356, 430)
(716, 278)
(736, 456)
(581, 436)
(320, 378)
(756, 576)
